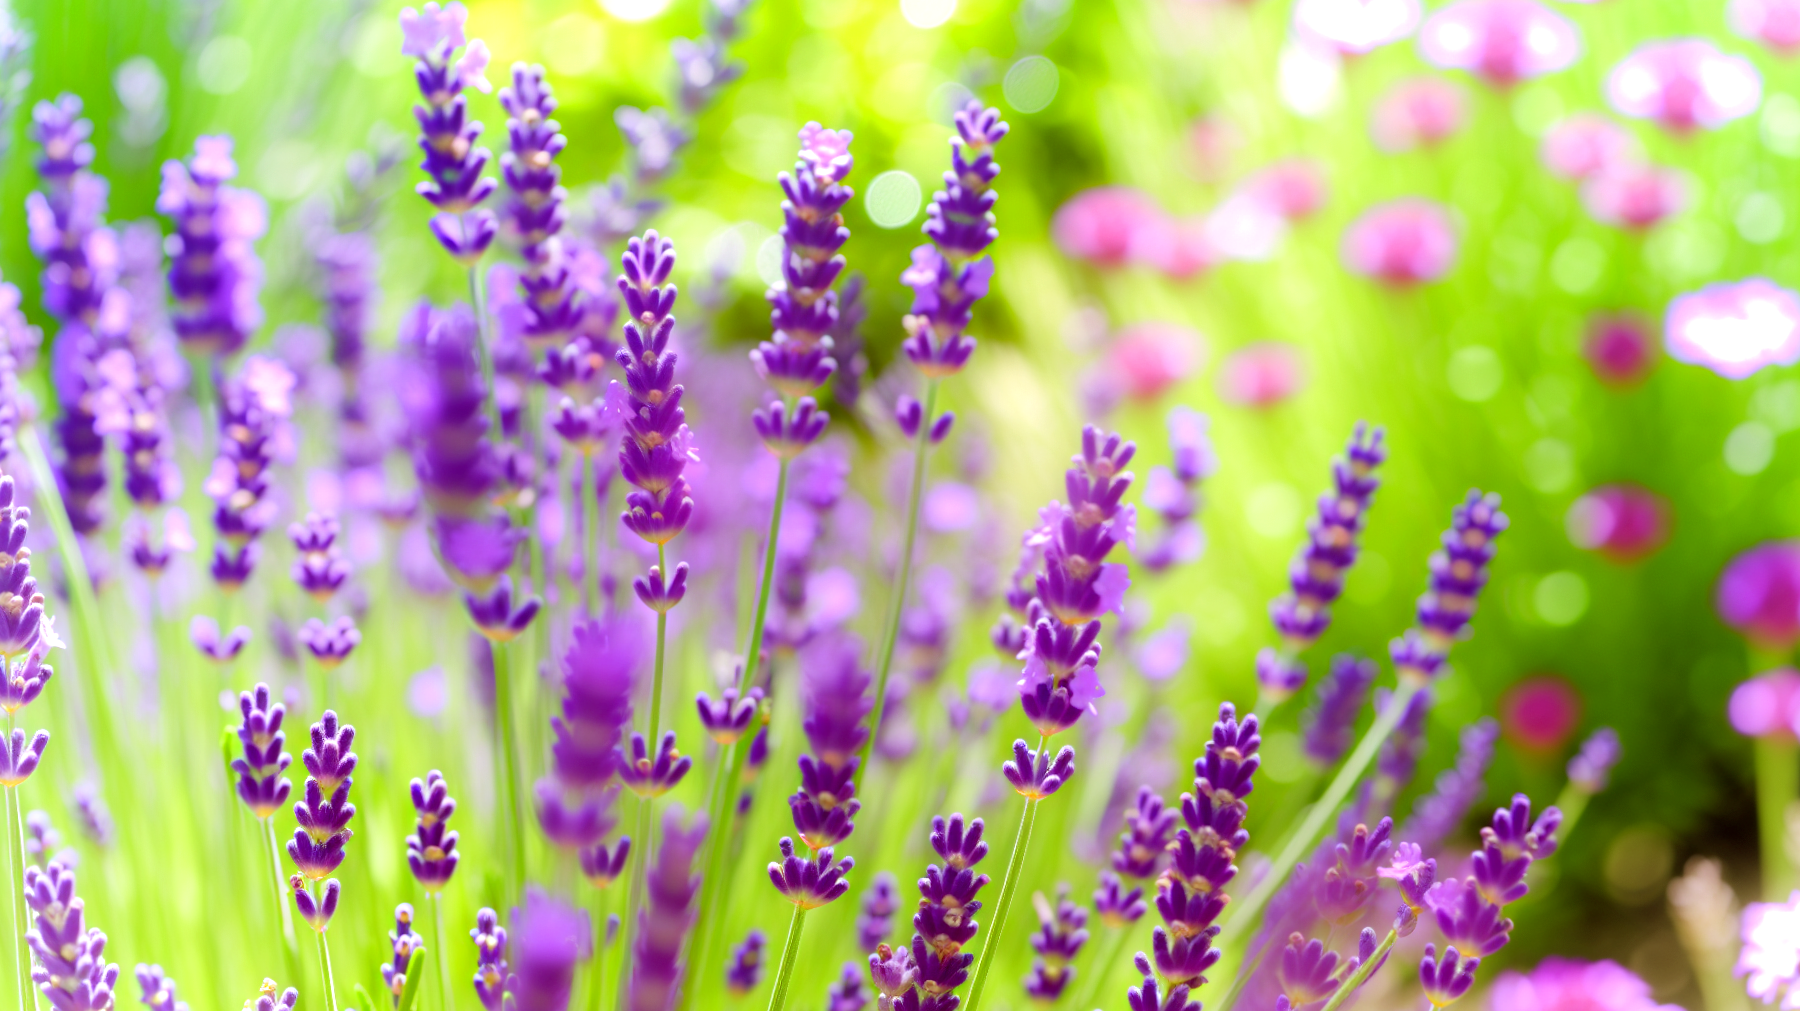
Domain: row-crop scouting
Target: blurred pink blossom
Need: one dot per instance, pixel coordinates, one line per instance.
(1634, 195)
(1421, 112)
(1587, 144)
(1356, 26)
(1294, 188)
(1099, 225)
(1623, 522)
(1774, 23)
(1769, 960)
(1148, 358)
(1540, 712)
(1560, 984)
(1244, 227)
(1759, 594)
(1261, 374)
(1735, 328)
(1214, 139)
(1177, 247)
(1503, 41)
(1684, 84)
(1767, 705)
(1402, 243)
(1619, 349)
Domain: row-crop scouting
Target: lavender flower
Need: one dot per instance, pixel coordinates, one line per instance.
(650, 775)
(1591, 767)
(657, 443)
(1139, 857)
(848, 993)
(43, 843)
(331, 644)
(1329, 722)
(667, 915)
(70, 966)
(19, 756)
(86, 399)
(835, 692)
(490, 960)
(1458, 573)
(950, 275)
(214, 644)
(92, 815)
(260, 783)
(214, 275)
(158, 989)
(944, 923)
(599, 675)
(403, 944)
(239, 481)
(320, 570)
(1446, 979)
(431, 848)
(879, 904)
(1317, 575)
(1062, 930)
(1147, 996)
(1173, 492)
(1309, 974)
(535, 213)
(447, 135)
(64, 219)
(548, 939)
(1436, 816)
(324, 815)
(455, 462)
(744, 971)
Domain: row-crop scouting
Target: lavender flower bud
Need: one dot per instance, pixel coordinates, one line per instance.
(946, 277)
(453, 162)
(744, 971)
(431, 848)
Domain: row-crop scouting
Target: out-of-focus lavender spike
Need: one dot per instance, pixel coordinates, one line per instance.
(665, 920)
(549, 939)
(1329, 723)
(214, 275)
(70, 966)
(158, 989)
(745, 969)
(1062, 930)
(1399, 756)
(1436, 816)
(447, 135)
(535, 213)
(876, 918)
(319, 567)
(600, 673)
(1591, 768)
(1174, 492)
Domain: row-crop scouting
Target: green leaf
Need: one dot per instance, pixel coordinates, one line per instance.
(364, 1002)
(415, 974)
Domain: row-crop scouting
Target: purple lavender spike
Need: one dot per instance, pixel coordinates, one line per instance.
(214, 275)
(403, 944)
(453, 161)
(431, 848)
(1062, 930)
(70, 966)
(745, 969)
(548, 940)
(260, 783)
(668, 916)
(1330, 722)
(331, 644)
(490, 960)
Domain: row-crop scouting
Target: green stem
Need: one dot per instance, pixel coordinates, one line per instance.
(1102, 969)
(446, 998)
(597, 986)
(1362, 973)
(1308, 833)
(634, 895)
(478, 296)
(789, 955)
(656, 676)
(1008, 885)
(753, 648)
(1777, 783)
(1572, 802)
(884, 661)
(589, 497)
(509, 788)
(15, 848)
(287, 915)
(331, 1003)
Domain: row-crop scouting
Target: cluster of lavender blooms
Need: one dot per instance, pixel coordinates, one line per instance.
(27, 635)
(836, 701)
(575, 802)
(1173, 492)
(69, 964)
(454, 163)
(324, 812)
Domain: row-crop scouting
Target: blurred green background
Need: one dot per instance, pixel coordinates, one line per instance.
(1479, 378)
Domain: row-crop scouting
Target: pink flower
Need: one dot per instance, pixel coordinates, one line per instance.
(1176, 247)
(1774, 23)
(1684, 84)
(1634, 195)
(1618, 349)
(827, 151)
(1261, 374)
(1623, 522)
(1767, 705)
(423, 33)
(1735, 329)
(1587, 144)
(1356, 26)
(1244, 227)
(1540, 712)
(1770, 957)
(1148, 358)
(1503, 41)
(1759, 594)
(1100, 225)
(1560, 984)
(1294, 188)
(1422, 112)
(1402, 243)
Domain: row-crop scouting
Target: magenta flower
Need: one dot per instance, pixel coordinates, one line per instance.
(1623, 522)
(1354, 27)
(1734, 328)
(1148, 358)
(1294, 188)
(1262, 374)
(1539, 713)
(1560, 984)
(1770, 957)
(1774, 23)
(1619, 349)
(1634, 196)
(1502, 41)
(1767, 705)
(1684, 84)
(1176, 247)
(1099, 225)
(1759, 594)
(1402, 243)
(1420, 112)
(1587, 144)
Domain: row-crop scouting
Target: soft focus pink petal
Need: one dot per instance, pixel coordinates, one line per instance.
(1619, 348)
(1765, 705)
(1503, 41)
(1621, 521)
(1295, 188)
(1759, 594)
(1560, 984)
(1148, 358)
(1402, 243)
(1261, 374)
(1586, 144)
(1735, 328)
(1684, 84)
(1177, 247)
(1634, 196)
(1421, 112)
(1356, 26)
(1540, 712)
(1099, 225)
(1774, 23)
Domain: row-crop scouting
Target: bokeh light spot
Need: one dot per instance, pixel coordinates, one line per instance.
(1760, 218)
(1749, 448)
(893, 199)
(1780, 125)
(224, 65)
(1560, 598)
(1273, 510)
(573, 45)
(1030, 85)
(1638, 864)
(927, 13)
(1577, 265)
(768, 261)
(1475, 373)
(1549, 465)
(634, 10)
(1535, 107)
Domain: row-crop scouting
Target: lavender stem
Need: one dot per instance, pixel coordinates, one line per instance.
(635, 896)
(1302, 840)
(478, 298)
(1777, 785)
(789, 955)
(1362, 973)
(891, 632)
(1008, 884)
(656, 675)
(446, 997)
(509, 789)
(331, 1003)
(15, 856)
(1102, 968)
(589, 497)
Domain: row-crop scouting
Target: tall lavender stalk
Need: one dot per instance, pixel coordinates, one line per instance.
(317, 848)
(1458, 573)
(948, 276)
